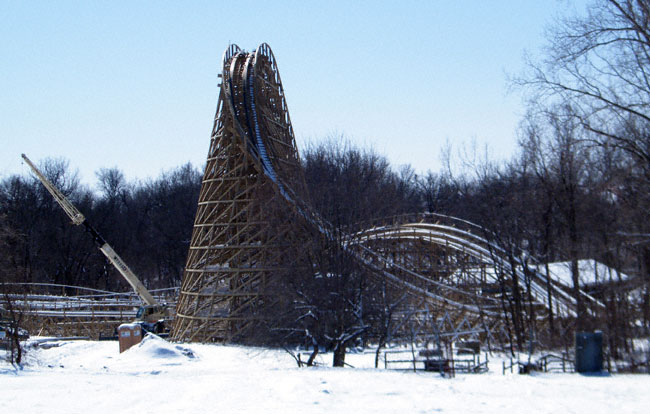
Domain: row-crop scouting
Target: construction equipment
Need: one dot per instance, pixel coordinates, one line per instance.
(152, 315)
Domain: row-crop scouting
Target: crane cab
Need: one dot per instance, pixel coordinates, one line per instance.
(152, 318)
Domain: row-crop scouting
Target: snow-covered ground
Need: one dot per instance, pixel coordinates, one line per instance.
(159, 377)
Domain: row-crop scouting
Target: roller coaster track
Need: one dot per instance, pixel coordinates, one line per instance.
(235, 249)
(63, 310)
(437, 229)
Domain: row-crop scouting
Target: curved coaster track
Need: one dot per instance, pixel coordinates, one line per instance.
(253, 172)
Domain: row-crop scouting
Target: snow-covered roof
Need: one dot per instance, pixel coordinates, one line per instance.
(591, 272)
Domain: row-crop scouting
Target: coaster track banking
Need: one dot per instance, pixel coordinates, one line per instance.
(253, 148)
(380, 242)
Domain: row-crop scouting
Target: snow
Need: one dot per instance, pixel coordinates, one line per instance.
(161, 377)
(591, 272)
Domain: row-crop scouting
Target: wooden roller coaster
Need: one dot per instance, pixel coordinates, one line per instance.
(253, 171)
(254, 220)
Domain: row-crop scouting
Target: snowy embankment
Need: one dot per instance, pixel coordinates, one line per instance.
(159, 377)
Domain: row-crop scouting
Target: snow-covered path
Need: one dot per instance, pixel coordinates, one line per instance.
(158, 377)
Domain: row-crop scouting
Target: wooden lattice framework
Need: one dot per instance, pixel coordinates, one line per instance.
(450, 267)
(239, 241)
(445, 259)
(61, 310)
(252, 168)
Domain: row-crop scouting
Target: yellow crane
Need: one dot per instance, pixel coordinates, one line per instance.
(152, 315)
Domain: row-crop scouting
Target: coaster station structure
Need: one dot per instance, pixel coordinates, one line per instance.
(253, 175)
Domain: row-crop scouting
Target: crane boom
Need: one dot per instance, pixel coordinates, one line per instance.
(77, 219)
(72, 212)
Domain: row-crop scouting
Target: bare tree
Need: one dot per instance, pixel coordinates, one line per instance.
(11, 316)
(599, 64)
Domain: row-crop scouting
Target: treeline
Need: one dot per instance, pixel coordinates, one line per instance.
(148, 223)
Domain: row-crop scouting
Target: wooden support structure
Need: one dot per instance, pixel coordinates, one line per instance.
(252, 168)
(252, 191)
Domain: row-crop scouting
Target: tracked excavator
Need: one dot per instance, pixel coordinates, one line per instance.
(152, 316)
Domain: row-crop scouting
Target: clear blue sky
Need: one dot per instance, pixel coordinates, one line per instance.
(134, 84)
